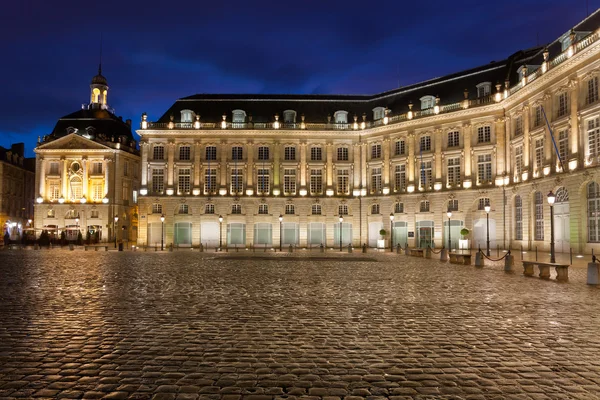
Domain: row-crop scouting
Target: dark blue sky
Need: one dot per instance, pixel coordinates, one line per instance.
(157, 51)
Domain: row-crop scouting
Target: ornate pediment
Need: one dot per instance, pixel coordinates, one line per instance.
(73, 142)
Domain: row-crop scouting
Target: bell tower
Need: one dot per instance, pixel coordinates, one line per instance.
(99, 91)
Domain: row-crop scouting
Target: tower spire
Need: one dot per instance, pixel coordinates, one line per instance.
(100, 63)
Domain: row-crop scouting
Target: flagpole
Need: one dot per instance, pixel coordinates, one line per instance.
(553, 141)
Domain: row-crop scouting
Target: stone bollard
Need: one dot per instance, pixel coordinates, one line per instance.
(478, 259)
(322, 248)
(290, 249)
(201, 248)
(509, 263)
(444, 255)
(398, 248)
(593, 273)
(349, 248)
(428, 252)
(364, 248)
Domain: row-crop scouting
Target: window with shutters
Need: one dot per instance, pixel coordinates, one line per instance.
(539, 216)
(400, 178)
(289, 181)
(316, 181)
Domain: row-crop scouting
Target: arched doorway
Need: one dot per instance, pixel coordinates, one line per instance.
(562, 220)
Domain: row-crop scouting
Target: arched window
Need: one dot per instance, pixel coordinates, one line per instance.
(375, 209)
(341, 117)
(593, 199)
(76, 188)
(71, 214)
(427, 102)
(378, 113)
(186, 115)
(238, 116)
(518, 218)
(539, 216)
(316, 209)
(289, 116)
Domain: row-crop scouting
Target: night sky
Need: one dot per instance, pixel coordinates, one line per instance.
(157, 51)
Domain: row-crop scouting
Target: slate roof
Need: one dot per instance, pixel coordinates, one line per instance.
(316, 108)
(97, 123)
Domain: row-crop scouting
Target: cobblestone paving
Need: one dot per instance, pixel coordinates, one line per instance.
(189, 325)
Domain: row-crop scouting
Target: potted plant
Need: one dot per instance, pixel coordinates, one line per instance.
(381, 242)
(463, 243)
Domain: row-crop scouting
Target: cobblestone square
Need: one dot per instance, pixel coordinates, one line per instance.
(190, 325)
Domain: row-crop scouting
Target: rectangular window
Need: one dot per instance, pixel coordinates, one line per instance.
(342, 154)
(158, 180)
(209, 209)
(156, 208)
(184, 209)
(563, 104)
(454, 172)
(518, 218)
(453, 139)
(484, 134)
(290, 209)
(211, 153)
(519, 160)
(376, 180)
(262, 186)
(316, 209)
(592, 94)
(96, 168)
(400, 178)
(484, 169)
(97, 191)
(184, 153)
(126, 168)
(263, 209)
(376, 151)
(425, 175)
(425, 143)
(237, 180)
(316, 154)
(316, 181)
(183, 180)
(236, 209)
(537, 116)
(54, 190)
(50, 214)
(289, 181)
(237, 153)
(563, 146)
(210, 181)
(400, 148)
(539, 216)
(539, 154)
(94, 214)
(519, 125)
(290, 153)
(424, 206)
(54, 168)
(342, 181)
(263, 153)
(159, 152)
(342, 209)
(593, 137)
(399, 208)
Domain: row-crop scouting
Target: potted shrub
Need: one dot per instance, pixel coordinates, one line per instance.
(463, 243)
(381, 242)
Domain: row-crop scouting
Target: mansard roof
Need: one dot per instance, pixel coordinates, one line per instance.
(316, 108)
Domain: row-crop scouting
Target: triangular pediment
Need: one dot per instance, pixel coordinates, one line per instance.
(72, 142)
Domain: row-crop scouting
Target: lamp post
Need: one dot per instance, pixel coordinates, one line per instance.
(280, 231)
(220, 232)
(551, 200)
(162, 232)
(115, 230)
(392, 232)
(449, 214)
(487, 214)
(341, 220)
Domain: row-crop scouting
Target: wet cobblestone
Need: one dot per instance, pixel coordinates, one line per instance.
(189, 325)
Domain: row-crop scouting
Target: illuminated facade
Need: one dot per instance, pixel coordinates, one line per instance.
(17, 175)
(288, 168)
(87, 174)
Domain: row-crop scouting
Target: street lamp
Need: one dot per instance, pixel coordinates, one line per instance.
(280, 231)
(115, 230)
(220, 232)
(341, 220)
(162, 231)
(487, 213)
(392, 232)
(551, 200)
(449, 214)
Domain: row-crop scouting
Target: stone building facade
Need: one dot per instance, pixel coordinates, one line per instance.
(87, 174)
(17, 174)
(265, 171)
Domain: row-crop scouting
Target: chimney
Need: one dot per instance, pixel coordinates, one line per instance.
(128, 122)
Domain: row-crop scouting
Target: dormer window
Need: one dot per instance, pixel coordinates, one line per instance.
(238, 116)
(378, 113)
(289, 116)
(565, 39)
(427, 102)
(484, 89)
(186, 115)
(341, 117)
